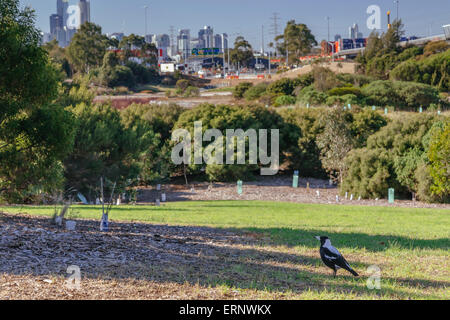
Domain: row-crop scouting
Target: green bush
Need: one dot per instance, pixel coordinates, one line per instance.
(182, 85)
(223, 117)
(240, 89)
(415, 95)
(286, 86)
(304, 154)
(117, 76)
(191, 92)
(394, 158)
(255, 92)
(312, 96)
(438, 155)
(285, 101)
(434, 70)
(342, 91)
(381, 93)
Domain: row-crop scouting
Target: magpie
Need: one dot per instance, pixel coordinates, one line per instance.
(331, 257)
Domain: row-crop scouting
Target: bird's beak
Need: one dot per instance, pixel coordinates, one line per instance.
(317, 237)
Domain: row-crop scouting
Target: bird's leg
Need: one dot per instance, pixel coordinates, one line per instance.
(334, 273)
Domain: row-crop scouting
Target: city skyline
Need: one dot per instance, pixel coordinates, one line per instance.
(129, 17)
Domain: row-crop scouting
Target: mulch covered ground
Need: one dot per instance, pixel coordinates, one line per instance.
(132, 261)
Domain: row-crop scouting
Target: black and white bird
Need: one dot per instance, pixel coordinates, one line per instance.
(332, 257)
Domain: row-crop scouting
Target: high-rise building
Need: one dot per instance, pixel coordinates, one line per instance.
(184, 41)
(85, 11)
(149, 38)
(161, 41)
(337, 37)
(59, 28)
(61, 10)
(206, 37)
(55, 24)
(353, 32)
(221, 41)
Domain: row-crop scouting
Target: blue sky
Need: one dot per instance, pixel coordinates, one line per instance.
(246, 17)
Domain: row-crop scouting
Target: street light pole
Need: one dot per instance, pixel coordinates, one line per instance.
(146, 24)
(397, 2)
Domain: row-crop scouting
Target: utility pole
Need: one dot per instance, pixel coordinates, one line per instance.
(172, 41)
(397, 2)
(146, 23)
(262, 40)
(328, 21)
(275, 27)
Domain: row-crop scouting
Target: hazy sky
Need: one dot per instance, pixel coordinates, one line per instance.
(246, 17)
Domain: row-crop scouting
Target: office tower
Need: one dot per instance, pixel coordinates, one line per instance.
(61, 10)
(184, 42)
(55, 24)
(150, 38)
(337, 37)
(162, 40)
(85, 11)
(206, 37)
(353, 31)
(221, 41)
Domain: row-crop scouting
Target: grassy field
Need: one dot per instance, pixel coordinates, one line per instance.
(410, 246)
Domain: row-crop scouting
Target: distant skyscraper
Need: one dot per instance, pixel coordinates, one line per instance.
(353, 32)
(184, 41)
(55, 24)
(61, 10)
(221, 41)
(162, 41)
(59, 28)
(206, 37)
(85, 11)
(337, 37)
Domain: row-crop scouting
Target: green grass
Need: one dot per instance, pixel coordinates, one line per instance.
(411, 246)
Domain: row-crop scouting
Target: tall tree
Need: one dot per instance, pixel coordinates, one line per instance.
(35, 134)
(242, 52)
(136, 46)
(87, 48)
(297, 40)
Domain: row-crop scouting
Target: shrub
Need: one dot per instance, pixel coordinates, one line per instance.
(192, 92)
(342, 91)
(438, 154)
(304, 154)
(414, 95)
(393, 158)
(285, 100)
(223, 117)
(311, 96)
(241, 88)
(434, 70)
(117, 76)
(255, 92)
(380, 93)
(284, 86)
(182, 85)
